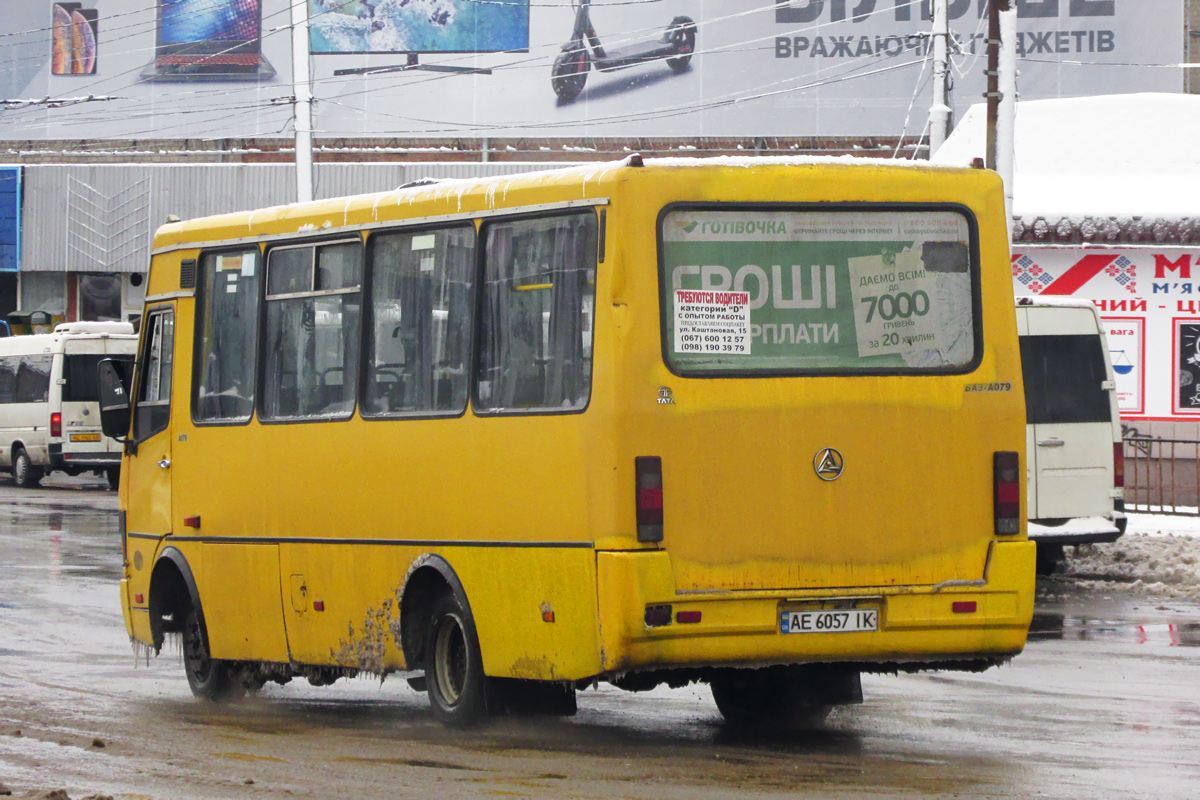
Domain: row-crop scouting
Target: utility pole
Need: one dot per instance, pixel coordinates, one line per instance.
(303, 102)
(993, 75)
(1002, 93)
(939, 111)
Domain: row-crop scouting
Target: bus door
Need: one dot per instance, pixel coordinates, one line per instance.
(1069, 435)
(149, 465)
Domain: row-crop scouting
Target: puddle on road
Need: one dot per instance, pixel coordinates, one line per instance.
(404, 762)
(1049, 626)
(77, 540)
(248, 757)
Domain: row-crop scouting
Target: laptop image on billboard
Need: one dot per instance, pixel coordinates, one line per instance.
(209, 40)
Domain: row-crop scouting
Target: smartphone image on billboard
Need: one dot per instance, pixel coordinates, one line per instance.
(73, 34)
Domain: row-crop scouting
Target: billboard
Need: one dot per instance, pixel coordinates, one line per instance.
(514, 68)
(10, 219)
(1149, 301)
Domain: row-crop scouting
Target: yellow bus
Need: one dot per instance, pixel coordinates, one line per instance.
(754, 423)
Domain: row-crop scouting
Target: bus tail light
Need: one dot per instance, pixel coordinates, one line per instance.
(56, 424)
(1119, 465)
(1006, 479)
(648, 470)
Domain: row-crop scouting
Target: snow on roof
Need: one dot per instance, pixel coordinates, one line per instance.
(1054, 302)
(1113, 155)
(446, 188)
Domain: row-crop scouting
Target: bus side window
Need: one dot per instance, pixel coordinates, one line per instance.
(539, 292)
(8, 378)
(33, 379)
(152, 411)
(421, 313)
(227, 336)
(311, 346)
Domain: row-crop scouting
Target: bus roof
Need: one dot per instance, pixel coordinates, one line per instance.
(474, 195)
(53, 342)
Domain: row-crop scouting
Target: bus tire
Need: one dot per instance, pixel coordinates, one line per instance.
(780, 698)
(1049, 558)
(24, 473)
(208, 678)
(113, 475)
(453, 666)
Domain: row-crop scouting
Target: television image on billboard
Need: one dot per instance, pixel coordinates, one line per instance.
(417, 26)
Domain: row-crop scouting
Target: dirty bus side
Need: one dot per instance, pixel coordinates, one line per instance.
(642, 423)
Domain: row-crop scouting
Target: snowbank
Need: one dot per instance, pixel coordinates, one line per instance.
(1158, 555)
(1113, 155)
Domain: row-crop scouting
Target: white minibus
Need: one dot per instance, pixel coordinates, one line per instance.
(49, 419)
(1075, 461)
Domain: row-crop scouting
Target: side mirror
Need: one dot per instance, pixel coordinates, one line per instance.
(114, 400)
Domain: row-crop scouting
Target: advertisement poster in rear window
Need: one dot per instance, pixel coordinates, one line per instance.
(801, 291)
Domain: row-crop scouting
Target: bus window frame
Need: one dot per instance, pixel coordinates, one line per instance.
(141, 367)
(198, 323)
(975, 270)
(367, 343)
(351, 236)
(477, 343)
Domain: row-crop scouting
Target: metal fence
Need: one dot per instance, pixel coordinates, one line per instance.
(1161, 475)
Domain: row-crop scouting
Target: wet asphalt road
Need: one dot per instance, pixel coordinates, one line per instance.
(1105, 702)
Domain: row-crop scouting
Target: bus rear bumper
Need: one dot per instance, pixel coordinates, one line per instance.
(81, 460)
(962, 624)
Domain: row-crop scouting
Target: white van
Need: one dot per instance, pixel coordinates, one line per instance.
(1075, 458)
(49, 417)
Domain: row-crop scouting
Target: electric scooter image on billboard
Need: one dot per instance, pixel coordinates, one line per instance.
(585, 51)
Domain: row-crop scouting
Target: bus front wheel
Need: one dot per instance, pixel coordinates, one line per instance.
(453, 666)
(208, 678)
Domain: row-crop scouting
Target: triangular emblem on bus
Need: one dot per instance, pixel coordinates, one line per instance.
(828, 464)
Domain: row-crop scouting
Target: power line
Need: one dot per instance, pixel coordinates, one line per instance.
(57, 102)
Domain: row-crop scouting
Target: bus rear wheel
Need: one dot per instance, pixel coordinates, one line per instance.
(453, 666)
(113, 475)
(24, 473)
(208, 678)
(784, 697)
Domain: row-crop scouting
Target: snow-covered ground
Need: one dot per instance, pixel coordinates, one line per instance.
(1158, 555)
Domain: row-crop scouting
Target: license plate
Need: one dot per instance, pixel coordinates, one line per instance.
(85, 437)
(832, 621)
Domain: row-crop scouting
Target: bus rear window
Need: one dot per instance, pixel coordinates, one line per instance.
(81, 374)
(801, 291)
(1064, 379)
